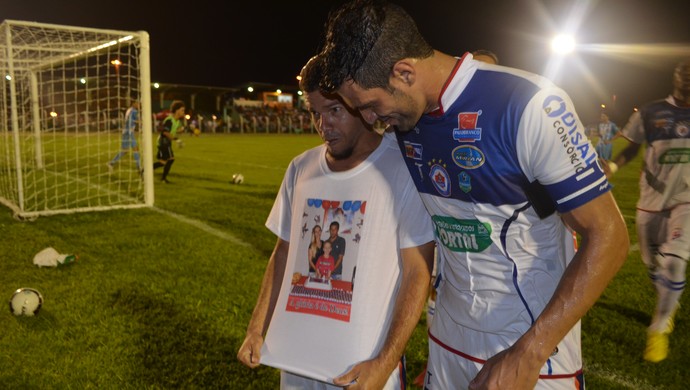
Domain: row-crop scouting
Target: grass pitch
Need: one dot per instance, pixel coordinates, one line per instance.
(160, 298)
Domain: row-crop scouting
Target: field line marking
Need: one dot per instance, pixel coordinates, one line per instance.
(614, 377)
(245, 164)
(206, 228)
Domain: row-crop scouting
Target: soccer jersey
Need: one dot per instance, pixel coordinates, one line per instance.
(495, 165)
(131, 120)
(665, 178)
(607, 130)
(320, 331)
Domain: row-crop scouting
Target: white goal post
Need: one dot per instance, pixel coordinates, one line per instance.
(65, 91)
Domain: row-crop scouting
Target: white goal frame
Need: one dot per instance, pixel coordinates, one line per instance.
(65, 90)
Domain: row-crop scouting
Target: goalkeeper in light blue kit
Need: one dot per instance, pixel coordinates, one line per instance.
(129, 141)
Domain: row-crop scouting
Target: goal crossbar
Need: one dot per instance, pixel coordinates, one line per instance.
(65, 93)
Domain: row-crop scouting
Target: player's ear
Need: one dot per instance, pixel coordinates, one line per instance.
(404, 71)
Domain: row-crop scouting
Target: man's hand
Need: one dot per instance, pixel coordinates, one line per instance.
(609, 167)
(369, 374)
(508, 369)
(250, 351)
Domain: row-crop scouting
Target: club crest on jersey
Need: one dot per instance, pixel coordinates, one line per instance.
(676, 234)
(468, 157)
(682, 129)
(413, 150)
(439, 177)
(464, 182)
(467, 130)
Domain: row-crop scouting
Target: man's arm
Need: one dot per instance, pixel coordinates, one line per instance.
(412, 294)
(250, 351)
(339, 260)
(603, 250)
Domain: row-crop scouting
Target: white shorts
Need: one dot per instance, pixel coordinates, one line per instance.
(664, 231)
(447, 369)
(290, 381)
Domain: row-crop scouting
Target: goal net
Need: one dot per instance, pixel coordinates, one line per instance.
(65, 92)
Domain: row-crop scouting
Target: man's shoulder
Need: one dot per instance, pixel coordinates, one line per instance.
(309, 156)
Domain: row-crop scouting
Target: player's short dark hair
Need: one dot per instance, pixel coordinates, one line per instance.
(311, 74)
(176, 105)
(364, 40)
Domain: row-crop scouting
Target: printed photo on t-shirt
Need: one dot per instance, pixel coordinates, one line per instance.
(324, 275)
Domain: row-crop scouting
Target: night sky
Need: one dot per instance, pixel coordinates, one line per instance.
(229, 42)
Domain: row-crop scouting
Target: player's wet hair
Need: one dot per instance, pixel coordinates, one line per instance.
(311, 74)
(364, 40)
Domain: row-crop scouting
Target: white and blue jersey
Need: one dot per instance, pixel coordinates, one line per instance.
(131, 124)
(495, 165)
(131, 120)
(665, 178)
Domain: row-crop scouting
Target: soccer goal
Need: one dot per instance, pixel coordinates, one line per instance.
(63, 101)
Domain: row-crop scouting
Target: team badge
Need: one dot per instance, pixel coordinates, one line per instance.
(413, 150)
(439, 177)
(468, 157)
(467, 130)
(677, 233)
(464, 182)
(682, 129)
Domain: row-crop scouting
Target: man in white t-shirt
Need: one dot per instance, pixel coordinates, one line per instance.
(331, 333)
(663, 210)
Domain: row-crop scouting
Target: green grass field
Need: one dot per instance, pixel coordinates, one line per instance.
(160, 298)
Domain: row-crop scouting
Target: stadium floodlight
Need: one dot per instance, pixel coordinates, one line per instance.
(563, 44)
(58, 132)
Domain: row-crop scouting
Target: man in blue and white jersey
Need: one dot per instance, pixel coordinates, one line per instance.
(502, 163)
(663, 210)
(129, 140)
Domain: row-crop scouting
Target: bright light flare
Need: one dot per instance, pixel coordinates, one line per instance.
(563, 44)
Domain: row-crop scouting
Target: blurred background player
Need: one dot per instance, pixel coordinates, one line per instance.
(129, 140)
(663, 210)
(608, 131)
(168, 133)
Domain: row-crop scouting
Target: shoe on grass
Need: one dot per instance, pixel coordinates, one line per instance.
(657, 346)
